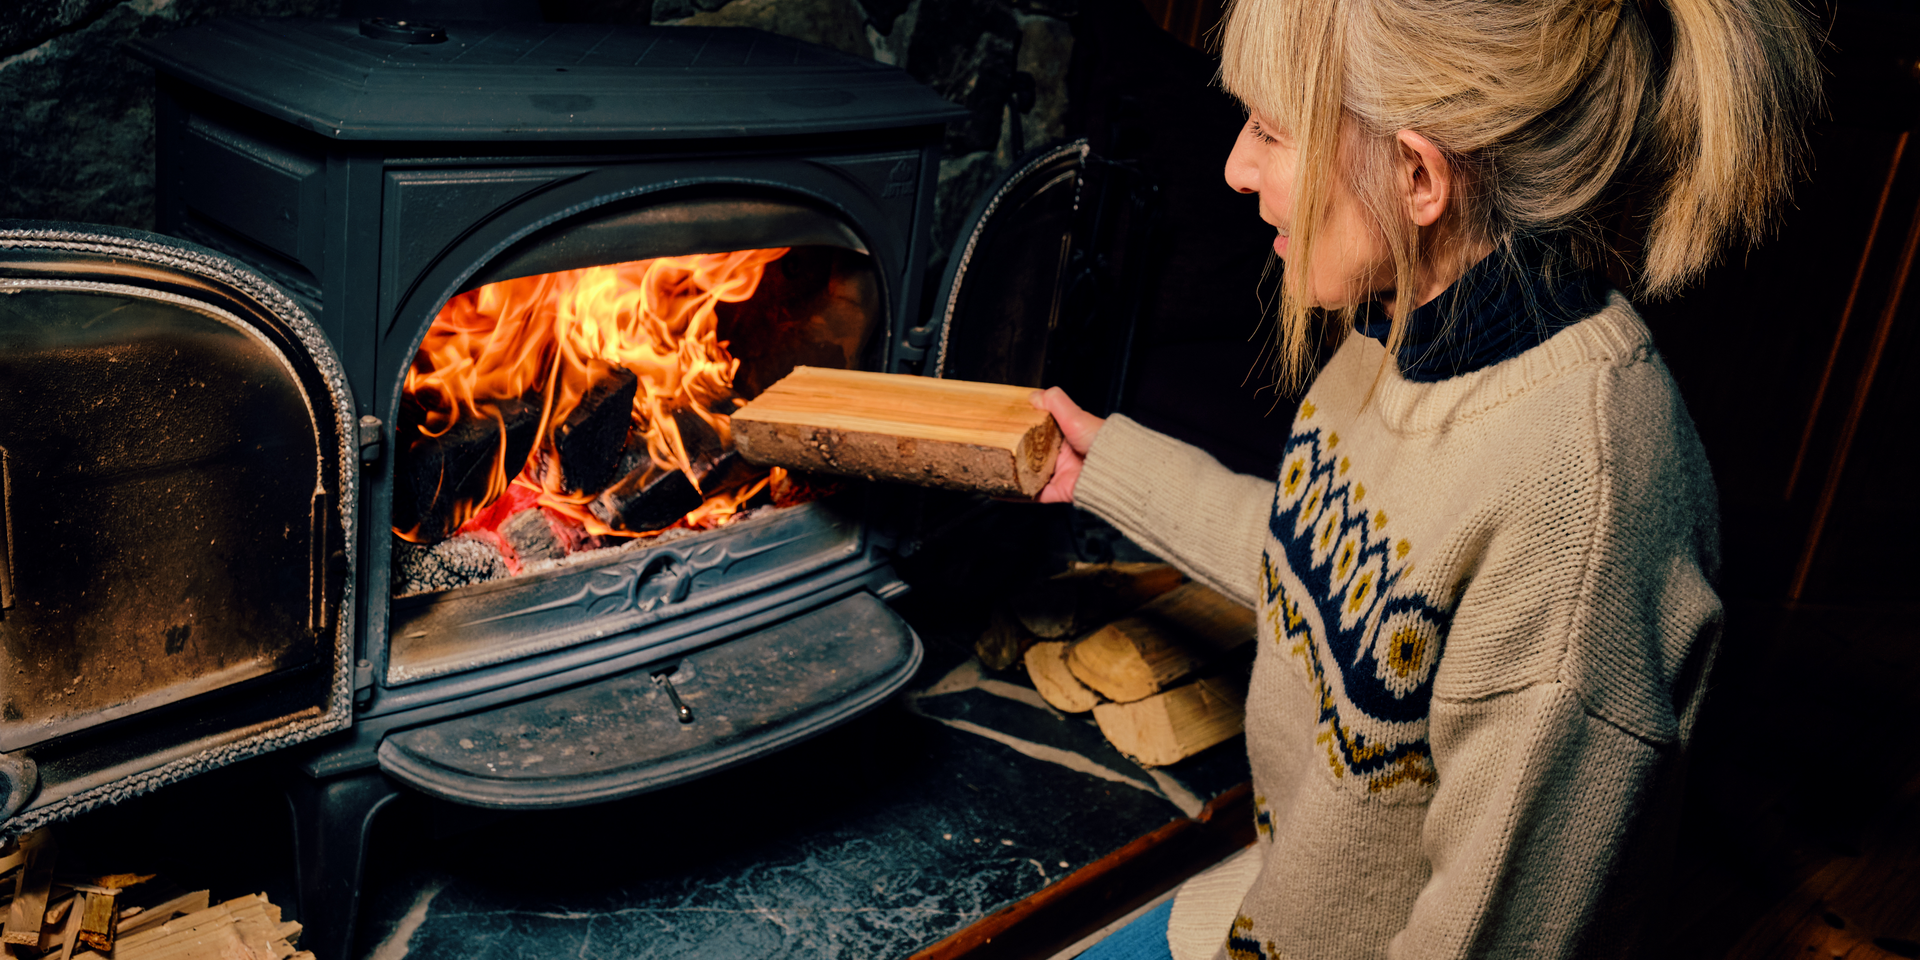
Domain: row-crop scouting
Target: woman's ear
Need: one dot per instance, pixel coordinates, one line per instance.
(1427, 178)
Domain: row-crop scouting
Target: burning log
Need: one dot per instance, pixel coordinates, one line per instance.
(458, 466)
(650, 498)
(982, 437)
(1178, 723)
(1162, 642)
(592, 437)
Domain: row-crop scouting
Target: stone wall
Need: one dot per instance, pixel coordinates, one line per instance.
(76, 113)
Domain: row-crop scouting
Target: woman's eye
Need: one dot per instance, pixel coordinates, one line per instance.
(1259, 135)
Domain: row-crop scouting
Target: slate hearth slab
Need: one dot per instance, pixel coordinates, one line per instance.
(870, 841)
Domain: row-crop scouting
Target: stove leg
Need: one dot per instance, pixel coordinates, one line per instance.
(331, 819)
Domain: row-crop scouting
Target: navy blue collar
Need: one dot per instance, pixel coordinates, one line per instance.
(1514, 299)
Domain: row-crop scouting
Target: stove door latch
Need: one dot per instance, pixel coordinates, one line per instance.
(680, 709)
(372, 439)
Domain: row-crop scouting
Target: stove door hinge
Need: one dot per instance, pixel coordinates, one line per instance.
(913, 349)
(372, 439)
(362, 683)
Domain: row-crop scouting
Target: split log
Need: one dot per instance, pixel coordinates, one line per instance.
(1068, 604)
(1090, 594)
(1047, 668)
(70, 935)
(1171, 726)
(1162, 642)
(100, 920)
(27, 915)
(982, 437)
(244, 928)
(1004, 641)
(439, 472)
(592, 437)
(133, 922)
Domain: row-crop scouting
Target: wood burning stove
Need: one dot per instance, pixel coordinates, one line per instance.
(386, 177)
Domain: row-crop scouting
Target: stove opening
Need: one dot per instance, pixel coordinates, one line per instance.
(557, 418)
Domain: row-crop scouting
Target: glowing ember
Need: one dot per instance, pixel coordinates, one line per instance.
(550, 338)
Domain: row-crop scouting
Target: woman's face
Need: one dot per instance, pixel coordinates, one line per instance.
(1351, 262)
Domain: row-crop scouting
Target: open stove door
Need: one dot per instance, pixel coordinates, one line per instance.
(1044, 284)
(178, 468)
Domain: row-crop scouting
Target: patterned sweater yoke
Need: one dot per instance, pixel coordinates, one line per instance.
(1485, 611)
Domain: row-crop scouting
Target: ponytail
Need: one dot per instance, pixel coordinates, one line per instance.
(1740, 77)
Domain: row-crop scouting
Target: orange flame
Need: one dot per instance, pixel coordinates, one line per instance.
(553, 334)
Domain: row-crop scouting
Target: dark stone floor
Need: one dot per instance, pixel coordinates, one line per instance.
(871, 841)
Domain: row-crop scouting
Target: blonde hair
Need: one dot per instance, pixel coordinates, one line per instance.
(1545, 109)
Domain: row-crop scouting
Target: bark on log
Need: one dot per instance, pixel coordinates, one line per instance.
(1047, 668)
(1174, 636)
(982, 437)
(1178, 723)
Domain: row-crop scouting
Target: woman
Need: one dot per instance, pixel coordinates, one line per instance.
(1485, 576)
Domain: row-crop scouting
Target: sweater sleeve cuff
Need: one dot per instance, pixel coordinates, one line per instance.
(1179, 503)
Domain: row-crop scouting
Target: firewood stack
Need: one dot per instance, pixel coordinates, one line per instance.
(1158, 660)
(51, 917)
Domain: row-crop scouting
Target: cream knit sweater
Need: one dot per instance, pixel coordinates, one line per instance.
(1485, 613)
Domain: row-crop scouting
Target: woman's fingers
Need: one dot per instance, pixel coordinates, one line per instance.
(1077, 425)
(1077, 428)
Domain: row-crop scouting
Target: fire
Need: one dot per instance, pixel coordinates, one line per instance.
(556, 334)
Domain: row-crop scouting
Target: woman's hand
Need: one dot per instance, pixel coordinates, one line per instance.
(1078, 427)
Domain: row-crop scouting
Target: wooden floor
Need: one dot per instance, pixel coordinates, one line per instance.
(1803, 833)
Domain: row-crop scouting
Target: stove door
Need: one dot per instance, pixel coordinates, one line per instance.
(1043, 287)
(177, 492)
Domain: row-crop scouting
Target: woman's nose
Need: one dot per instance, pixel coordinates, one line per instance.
(1243, 174)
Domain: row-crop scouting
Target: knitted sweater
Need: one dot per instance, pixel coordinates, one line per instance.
(1485, 614)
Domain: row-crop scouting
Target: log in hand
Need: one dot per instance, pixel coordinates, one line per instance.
(1077, 428)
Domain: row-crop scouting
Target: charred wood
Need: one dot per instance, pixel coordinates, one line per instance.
(532, 537)
(439, 472)
(592, 437)
(652, 499)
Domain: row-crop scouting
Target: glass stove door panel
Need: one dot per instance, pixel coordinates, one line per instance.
(164, 525)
